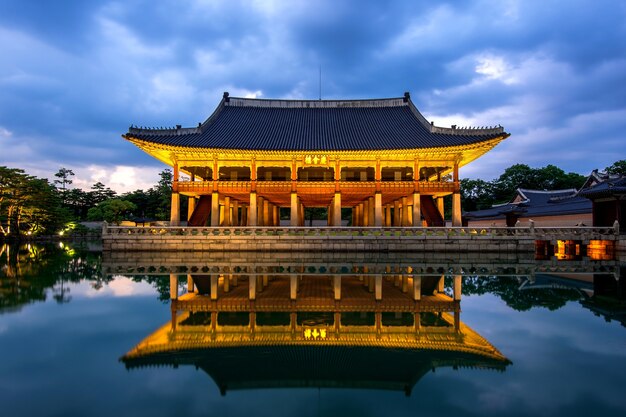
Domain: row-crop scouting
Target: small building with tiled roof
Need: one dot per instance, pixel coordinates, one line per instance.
(545, 208)
(608, 195)
(379, 157)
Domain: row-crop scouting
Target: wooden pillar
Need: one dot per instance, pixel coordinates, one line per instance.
(276, 215)
(226, 283)
(294, 219)
(353, 217)
(190, 286)
(235, 216)
(417, 210)
(175, 210)
(337, 286)
(266, 213)
(417, 287)
(388, 219)
(293, 287)
(366, 213)
(337, 210)
(173, 287)
(378, 209)
(215, 209)
(227, 221)
(370, 206)
(252, 287)
(244, 216)
(396, 213)
(301, 214)
(441, 284)
(259, 211)
(456, 209)
(191, 206)
(378, 287)
(457, 287)
(252, 218)
(405, 212)
(440, 207)
(405, 283)
(214, 282)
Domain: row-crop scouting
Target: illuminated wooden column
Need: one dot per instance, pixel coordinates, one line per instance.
(252, 218)
(417, 210)
(337, 210)
(293, 286)
(244, 216)
(173, 287)
(175, 210)
(276, 216)
(252, 287)
(191, 206)
(337, 286)
(441, 207)
(396, 213)
(371, 211)
(405, 211)
(190, 286)
(366, 212)
(266, 213)
(259, 212)
(457, 287)
(294, 219)
(441, 285)
(227, 215)
(214, 282)
(405, 283)
(388, 215)
(378, 209)
(215, 209)
(378, 287)
(235, 215)
(301, 214)
(417, 288)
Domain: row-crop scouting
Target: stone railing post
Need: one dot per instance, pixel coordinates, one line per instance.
(105, 226)
(616, 227)
(531, 226)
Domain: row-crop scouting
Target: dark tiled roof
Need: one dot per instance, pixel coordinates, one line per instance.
(536, 204)
(608, 187)
(293, 125)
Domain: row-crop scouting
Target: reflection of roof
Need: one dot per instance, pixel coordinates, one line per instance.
(536, 203)
(291, 125)
(237, 358)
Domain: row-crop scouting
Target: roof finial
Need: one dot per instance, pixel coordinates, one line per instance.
(226, 96)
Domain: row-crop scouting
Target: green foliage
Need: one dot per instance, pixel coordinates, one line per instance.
(114, 210)
(618, 168)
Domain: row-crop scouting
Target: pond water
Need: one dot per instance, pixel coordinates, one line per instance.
(79, 337)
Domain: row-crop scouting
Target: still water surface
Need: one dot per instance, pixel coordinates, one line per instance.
(65, 325)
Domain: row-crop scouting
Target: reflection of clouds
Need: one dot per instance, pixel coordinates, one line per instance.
(3, 327)
(121, 286)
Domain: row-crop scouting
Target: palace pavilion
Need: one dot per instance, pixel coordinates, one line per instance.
(378, 157)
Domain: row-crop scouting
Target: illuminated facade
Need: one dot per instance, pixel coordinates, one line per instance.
(380, 158)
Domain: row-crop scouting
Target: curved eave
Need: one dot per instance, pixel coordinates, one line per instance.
(167, 153)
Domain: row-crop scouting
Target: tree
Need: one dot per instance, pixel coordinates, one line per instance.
(65, 178)
(618, 168)
(476, 194)
(114, 210)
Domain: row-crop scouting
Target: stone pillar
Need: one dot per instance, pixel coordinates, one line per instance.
(191, 206)
(456, 209)
(214, 281)
(252, 218)
(457, 287)
(175, 210)
(215, 209)
(227, 218)
(337, 286)
(417, 287)
(173, 287)
(293, 287)
(378, 287)
(294, 219)
(396, 213)
(337, 210)
(190, 286)
(417, 210)
(371, 216)
(378, 210)
(405, 212)
(252, 287)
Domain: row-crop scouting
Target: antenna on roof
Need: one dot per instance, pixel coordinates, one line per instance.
(320, 82)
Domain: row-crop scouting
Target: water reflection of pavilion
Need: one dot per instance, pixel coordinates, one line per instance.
(331, 326)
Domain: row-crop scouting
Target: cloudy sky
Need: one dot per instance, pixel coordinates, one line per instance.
(75, 74)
